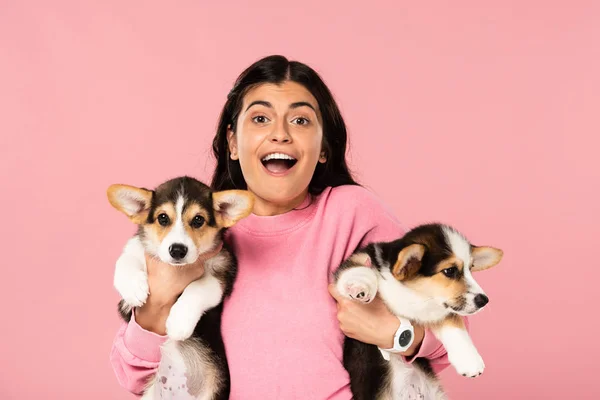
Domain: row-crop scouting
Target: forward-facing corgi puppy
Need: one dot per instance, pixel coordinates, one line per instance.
(179, 221)
(426, 277)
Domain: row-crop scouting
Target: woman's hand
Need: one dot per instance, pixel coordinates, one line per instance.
(371, 323)
(166, 282)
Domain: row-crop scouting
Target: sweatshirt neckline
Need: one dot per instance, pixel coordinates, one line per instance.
(282, 223)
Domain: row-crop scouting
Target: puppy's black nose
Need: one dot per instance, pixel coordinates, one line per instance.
(177, 251)
(481, 300)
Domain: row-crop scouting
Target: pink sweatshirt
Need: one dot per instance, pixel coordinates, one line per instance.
(279, 326)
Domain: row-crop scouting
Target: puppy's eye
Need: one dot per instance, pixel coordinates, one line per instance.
(163, 219)
(197, 222)
(451, 272)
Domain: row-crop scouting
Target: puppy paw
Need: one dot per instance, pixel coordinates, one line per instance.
(359, 284)
(132, 285)
(360, 291)
(180, 324)
(467, 363)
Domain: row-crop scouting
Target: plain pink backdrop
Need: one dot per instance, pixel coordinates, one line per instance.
(485, 115)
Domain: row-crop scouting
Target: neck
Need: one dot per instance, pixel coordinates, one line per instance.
(264, 207)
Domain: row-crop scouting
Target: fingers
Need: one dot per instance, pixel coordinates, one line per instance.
(189, 273)
(195, 271)
(343, 311)
(338, 298)
(334, 293)
(151, 261)
(346, 321)
(343, 303)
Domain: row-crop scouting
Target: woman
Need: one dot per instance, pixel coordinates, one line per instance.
(281, 136)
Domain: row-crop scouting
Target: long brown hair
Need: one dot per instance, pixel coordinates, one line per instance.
(278, 69)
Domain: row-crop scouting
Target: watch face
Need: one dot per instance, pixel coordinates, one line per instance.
(404, 338)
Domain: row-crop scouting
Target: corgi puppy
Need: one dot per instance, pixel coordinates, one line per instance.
(426, 277)
(179, 221)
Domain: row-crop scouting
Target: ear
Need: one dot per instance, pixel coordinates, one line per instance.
(323, 157)
(409, 261)
(232, 205)
(132, 201)
(485, 257)
(361, 259)
(232, 144)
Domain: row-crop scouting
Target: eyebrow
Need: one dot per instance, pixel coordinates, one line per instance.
(259, 103)
(297, 104)
(302, 104)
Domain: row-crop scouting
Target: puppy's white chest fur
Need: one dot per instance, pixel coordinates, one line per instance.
(410, 383)
(406, 302)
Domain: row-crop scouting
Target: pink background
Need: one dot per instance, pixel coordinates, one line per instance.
(485, 116)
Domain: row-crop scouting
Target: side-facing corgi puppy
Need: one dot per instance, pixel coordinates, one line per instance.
(426, 277)
(179, 221)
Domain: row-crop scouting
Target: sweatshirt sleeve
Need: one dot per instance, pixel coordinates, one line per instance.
(383, 226)
(135, 355)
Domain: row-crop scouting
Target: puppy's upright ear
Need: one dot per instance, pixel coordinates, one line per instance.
(232, 205)
(132, 201)
(361, 258)
(409, 261)
(485, 257)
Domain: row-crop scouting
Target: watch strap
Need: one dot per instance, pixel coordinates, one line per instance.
(405, 325)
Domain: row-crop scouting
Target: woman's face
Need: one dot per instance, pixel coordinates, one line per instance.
(278, 142)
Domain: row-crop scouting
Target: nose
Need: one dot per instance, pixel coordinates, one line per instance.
(177, 251)
(278, 138)
(481, 300)
(280, 135)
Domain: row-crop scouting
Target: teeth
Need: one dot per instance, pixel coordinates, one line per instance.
(277, 156)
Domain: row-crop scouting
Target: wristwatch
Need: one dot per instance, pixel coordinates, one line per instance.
(403, 339)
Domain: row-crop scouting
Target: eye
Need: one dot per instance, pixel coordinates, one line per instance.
(260, 119)
(163, 219)
(197, 222)
(451, 272)
(300, 121)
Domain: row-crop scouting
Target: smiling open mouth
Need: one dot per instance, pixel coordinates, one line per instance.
(278, 163)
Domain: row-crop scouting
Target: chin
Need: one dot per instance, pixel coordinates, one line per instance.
(468, 311)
